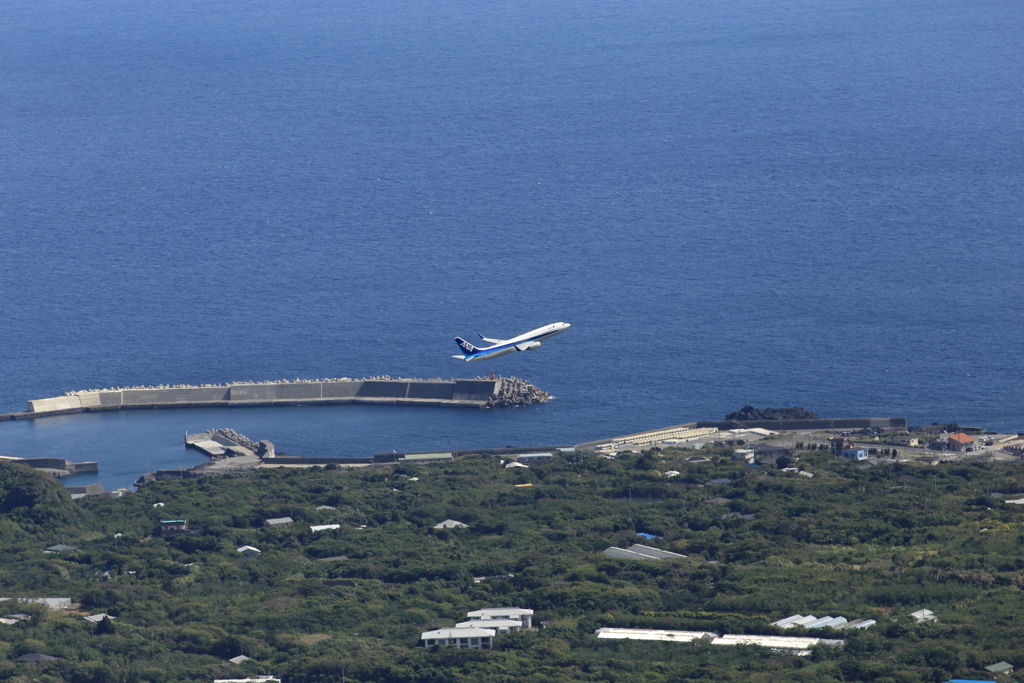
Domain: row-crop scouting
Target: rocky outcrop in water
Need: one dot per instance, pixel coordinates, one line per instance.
(750, 414)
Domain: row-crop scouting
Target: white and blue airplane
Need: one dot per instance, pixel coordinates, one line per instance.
(524, 342)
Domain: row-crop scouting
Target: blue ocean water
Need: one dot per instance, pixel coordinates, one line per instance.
(774, 203)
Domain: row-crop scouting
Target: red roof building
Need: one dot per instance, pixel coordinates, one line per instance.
(960, 442)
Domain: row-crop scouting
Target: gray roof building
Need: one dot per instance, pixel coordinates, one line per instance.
(35, 657)
(60, 548)
(640, 552)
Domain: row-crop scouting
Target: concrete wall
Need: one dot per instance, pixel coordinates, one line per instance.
(296, 392)
(475, 389)
(90, 399)
(44, 405)
(385, 389)
(340, 389)
(110, 398)
(143, 397)
(434, 390)
(458, 390)
(253, 392)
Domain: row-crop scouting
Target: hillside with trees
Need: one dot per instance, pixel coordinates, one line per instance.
(874, 543)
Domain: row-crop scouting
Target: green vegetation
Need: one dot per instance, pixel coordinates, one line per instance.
(850, 542)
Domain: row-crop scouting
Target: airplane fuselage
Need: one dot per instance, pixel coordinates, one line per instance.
(524, 342)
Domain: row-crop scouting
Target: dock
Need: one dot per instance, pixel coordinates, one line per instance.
(478, 392)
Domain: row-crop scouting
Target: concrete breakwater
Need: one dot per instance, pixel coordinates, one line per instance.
(479, 392)
(58, 467)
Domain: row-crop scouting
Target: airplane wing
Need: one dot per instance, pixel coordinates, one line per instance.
(491, 341)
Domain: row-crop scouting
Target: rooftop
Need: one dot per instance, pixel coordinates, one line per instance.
(653, 634)
(278, 521)
(458, 633)
(498, 611)
(451, 524)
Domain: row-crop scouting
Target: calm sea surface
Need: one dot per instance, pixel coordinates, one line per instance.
(776, 203)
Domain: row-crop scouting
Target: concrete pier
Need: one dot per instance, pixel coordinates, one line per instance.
(479, 392)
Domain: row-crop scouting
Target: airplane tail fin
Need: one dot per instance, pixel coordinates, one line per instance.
(466, 347)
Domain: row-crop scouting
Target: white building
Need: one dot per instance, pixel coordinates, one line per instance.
(499, 625)
(523, 616)
(461, 638)
(451, 524)
(652, 634)
(798, 646)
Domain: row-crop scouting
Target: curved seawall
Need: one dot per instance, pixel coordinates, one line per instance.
(499, 392)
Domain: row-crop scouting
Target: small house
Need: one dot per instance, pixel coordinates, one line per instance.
(771, 451)
(908, 441)
(719, 482)
(277, 521)
(173, 527)
(97, 618)
(248, 551)
(743, 454)
(960, 442)
(855, 454)
(1000, 668)
(838, 444)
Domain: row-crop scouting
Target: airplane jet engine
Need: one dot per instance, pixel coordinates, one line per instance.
(528, 346)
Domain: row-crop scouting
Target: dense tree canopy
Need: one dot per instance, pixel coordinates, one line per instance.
(873, 543)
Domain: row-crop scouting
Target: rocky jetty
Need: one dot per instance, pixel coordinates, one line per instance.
(515, 393)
